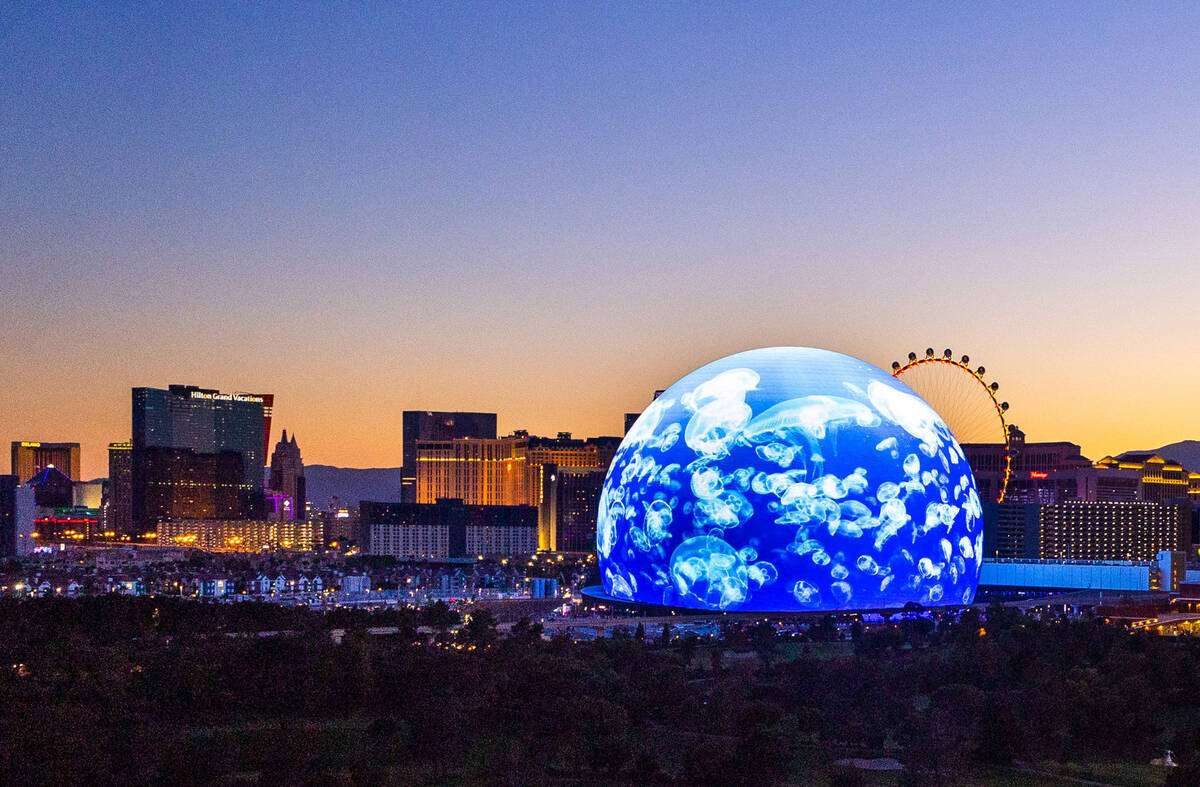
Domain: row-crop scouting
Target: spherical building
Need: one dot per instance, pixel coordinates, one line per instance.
(790, 479)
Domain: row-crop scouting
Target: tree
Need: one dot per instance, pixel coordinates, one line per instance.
(687, 648)
(480, 628)
(765, 641)
(438, 615)
(525, 632)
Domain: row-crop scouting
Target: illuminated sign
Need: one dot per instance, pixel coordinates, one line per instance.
(31, 445)
(1038, 474)
(220, 397)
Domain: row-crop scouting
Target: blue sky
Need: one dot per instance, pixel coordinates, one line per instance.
(550, 210)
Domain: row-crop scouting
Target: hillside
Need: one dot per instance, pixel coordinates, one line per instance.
(351, 484)
(1185, 452)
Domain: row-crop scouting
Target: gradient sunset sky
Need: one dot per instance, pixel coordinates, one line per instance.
(548, 210)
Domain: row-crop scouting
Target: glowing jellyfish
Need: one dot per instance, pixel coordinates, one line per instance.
(789, 478)
(707, 569)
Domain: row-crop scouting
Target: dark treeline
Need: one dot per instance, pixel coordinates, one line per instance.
(148, 691)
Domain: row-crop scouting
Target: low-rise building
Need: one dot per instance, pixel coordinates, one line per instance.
(448, 529)
(241, 535)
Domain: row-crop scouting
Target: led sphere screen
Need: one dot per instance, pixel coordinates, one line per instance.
(790, 479)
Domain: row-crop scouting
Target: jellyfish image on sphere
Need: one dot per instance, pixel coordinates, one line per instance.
(790, 479)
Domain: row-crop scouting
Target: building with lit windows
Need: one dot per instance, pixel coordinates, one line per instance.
(1040, 472)
(1048, 473)
(564, 453)
(18, 509)
(430, 425)
(448, 529)
(241, 535)
(268, 403)
(478, 472)
(1090, 530)
(72, 524)
(1108, 484)
(118, 508)
(508, 471)
(179, 483)
(196, 453)
(570, 504)
(30, 457)
(1085, 530)
(1010, 531)
(1162, 480)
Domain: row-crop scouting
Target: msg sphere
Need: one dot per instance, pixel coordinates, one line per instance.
(790, 479)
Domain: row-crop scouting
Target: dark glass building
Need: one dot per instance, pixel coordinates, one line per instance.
(570, 503)
(8, 516)
(197, 453)
(1011, 530)
(430, 425)
(118, 509)
(180, 483)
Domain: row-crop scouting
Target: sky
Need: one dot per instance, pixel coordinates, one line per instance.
(550, 210)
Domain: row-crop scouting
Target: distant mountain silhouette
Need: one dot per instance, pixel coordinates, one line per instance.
(1185, 452)
(351, 484)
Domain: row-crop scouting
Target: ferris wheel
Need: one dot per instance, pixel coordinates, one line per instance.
(964, 399)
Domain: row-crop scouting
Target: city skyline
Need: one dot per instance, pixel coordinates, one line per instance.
(551, 214)
(333, 448)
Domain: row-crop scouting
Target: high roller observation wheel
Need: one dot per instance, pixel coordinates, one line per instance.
(950, 383)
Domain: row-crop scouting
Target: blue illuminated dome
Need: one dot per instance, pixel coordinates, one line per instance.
(790, 479)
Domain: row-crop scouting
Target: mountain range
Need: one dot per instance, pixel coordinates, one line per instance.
(1185, 452)
(351, 484)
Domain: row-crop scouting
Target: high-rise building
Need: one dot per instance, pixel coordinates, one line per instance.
(570, 504)
(448, 529)
(490, 472)
(30, 457)
(429, 425)
(507, 471)
(1010, 530)
(17, 511)
(197, 453)
(180, 483)
(8, 516)
(563, 451)
(88, 494)
(118, 510)
(1086, 530)
(287, 473)
(268, 403)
